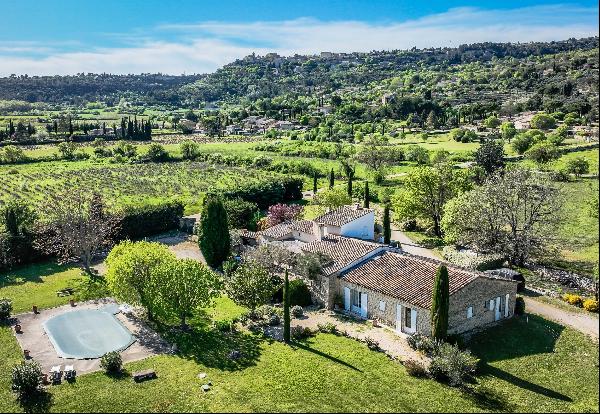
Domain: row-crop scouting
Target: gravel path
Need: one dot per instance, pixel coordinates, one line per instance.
(411, 247)
(587, 324)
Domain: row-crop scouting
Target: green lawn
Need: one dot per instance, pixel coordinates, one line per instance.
(37, 285)
(527, 364)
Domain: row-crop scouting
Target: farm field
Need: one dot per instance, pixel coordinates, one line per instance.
(122, 184)
(529, 365)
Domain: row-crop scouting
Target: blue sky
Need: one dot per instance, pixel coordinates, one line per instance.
(169, 36)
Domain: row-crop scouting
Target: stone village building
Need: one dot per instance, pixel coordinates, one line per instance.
(375, 281)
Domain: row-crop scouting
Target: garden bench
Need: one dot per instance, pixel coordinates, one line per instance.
(144, 375)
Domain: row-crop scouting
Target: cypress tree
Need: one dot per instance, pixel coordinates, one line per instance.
(70, 127)
(440, 303)
(286, 308)
(387, 229)
(366, 202)
(315, 187)
(331, 179)
(214, 240)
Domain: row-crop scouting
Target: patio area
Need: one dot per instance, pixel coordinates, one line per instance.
(34, 337)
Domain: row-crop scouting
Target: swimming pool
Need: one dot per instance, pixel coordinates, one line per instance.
(87, 333)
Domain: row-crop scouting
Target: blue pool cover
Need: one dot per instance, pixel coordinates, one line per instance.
(87, 333)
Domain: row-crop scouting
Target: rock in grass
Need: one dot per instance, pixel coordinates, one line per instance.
(202, 375)
(206, 387)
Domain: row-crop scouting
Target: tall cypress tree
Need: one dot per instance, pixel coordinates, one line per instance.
(387, 228)
(440, 303)
(315, 183)
(366, 201)
(214, 239)
(331, 179)
(286, 308)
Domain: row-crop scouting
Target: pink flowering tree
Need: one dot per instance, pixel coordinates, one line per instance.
(279, 213)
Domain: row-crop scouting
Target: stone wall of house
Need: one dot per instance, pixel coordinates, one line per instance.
(478, 294)
(388, 315)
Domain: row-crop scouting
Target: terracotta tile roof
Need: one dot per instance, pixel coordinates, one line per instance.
(342, 215)
(305, 226)
(406, 277)
(285, 229)
(341, 250)
(277, 232)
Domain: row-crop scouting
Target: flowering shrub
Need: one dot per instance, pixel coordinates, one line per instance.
(279, 213)
(572, 299)
(590, 305)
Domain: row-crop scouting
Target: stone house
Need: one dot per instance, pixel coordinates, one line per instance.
(375, 281)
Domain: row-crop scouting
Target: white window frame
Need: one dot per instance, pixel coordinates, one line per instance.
(469, 312)
(382, 305)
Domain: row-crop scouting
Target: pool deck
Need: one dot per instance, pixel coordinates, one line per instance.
(34, 338)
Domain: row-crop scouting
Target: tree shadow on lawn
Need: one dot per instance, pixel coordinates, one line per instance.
(515, 338)
(38, 402)
(305, 346)
(31, 273)
(488, 400)
(227, 351)
(519, 337)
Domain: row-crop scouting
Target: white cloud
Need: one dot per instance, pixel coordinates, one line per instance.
(206, 46)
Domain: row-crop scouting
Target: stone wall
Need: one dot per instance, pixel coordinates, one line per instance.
(478, 295)
(388, 316)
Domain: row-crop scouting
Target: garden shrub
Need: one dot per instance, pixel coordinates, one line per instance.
(372, 344)
(520, 306)
(573, 299)
(450, 364)
(297, 311)
(423, 343)
(415, 368)
(225, 325)
(590, 305)
(409, 225)
(267, 192)
(328, 327)
(26, 378)
(274, 320)
(111, 362)
(299, 293)
(299, 332)
(5, 309)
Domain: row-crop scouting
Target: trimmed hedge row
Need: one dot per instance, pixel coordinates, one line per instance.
(139, 222)
(268, 192)
(480, 262)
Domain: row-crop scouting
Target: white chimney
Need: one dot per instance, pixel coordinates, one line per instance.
(319, 230)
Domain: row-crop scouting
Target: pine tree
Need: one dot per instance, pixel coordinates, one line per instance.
(366, 202)
(440, 303)
(286, 308)
(331, 179)
(387, 229)
(214, 239)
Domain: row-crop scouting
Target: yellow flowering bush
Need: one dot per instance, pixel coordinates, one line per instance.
(572, 299)
(591, 305)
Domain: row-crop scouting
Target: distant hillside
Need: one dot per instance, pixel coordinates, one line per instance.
(470, 73)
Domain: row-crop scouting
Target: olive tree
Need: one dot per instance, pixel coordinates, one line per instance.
(251, 285)
(515, 213)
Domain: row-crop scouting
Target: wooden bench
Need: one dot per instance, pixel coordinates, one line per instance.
(147, 374)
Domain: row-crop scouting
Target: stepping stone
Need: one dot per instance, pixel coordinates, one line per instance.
(206, 387)
(202, 375)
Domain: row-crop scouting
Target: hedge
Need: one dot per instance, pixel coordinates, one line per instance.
(140, 222)
(267, 192)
